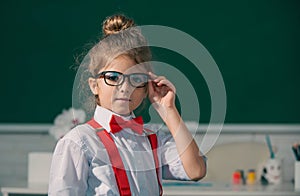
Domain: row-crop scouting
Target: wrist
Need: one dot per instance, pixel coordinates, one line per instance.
(169, 115)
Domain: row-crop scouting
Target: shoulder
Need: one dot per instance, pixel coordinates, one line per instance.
(82, 136)
(79, 133)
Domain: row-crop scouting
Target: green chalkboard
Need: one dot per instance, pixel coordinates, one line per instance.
(255, 44)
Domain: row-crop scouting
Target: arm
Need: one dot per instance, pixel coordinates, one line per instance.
(162, 95)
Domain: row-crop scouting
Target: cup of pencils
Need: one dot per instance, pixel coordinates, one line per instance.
(271, 171)
(296, 150)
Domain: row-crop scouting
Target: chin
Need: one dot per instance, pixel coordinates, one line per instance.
(122, 112)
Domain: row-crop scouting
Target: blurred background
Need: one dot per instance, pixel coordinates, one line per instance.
(255, 44)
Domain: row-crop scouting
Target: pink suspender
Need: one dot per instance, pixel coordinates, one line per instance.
(116, 161)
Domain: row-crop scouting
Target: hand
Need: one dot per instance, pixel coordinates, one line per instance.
(161, 93)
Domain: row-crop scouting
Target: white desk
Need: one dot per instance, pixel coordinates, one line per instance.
(207, 189)
(192, 189)
(43, 190)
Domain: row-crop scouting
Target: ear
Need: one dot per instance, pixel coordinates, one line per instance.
(93, 85)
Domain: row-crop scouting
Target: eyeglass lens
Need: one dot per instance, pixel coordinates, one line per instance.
(135, 79)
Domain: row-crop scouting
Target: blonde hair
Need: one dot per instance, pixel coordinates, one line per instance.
(120, 37)
(115, 24)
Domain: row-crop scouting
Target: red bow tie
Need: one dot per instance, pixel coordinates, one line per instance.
(117, 124)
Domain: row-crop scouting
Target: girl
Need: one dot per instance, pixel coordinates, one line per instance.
(113, 154)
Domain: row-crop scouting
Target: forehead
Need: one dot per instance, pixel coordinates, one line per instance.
(125, 64)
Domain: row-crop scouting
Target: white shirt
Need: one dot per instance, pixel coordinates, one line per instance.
(81, 166)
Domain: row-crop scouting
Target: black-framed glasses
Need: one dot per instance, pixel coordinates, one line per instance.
(114, 78)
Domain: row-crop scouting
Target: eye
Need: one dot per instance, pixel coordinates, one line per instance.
(114, 77)
(139, 78)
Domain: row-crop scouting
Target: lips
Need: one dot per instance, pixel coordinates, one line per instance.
(123, 99)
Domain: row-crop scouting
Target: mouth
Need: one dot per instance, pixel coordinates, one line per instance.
(123, 99)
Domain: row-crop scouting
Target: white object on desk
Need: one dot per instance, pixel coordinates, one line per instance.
(297, 176)
(272, 171)
(38, 175)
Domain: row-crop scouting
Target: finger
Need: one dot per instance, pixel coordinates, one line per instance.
(161, 81)
(167, 83)
(152, 87)
(152, 75)
(154, 79)
(159, 78)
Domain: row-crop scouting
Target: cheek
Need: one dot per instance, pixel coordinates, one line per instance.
(138, 95)
(105, 93)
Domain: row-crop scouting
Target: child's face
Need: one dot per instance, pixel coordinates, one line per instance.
(122, 99)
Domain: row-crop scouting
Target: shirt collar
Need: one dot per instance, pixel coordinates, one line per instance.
(103, 116)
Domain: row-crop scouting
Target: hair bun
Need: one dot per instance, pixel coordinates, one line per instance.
(115, 24)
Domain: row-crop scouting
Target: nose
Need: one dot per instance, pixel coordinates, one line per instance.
(126, 86)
